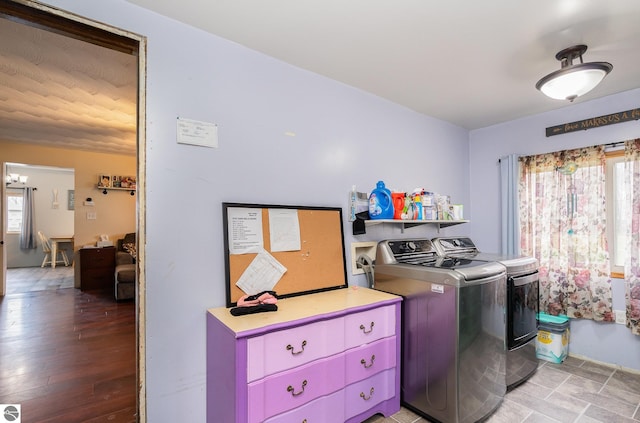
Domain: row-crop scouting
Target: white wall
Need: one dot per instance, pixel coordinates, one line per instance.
(51, 221)
(343, 137)
(609, 343)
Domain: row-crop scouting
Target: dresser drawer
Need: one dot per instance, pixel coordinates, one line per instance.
(91, 279)
(365, 361)
(97, 258)
(368, 326)
(366, 394)
(323, 410)
(286, 349)
(291, 389)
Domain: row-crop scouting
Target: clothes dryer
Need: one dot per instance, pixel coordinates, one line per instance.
(522, 304)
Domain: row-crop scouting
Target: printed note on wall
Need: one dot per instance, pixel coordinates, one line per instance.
(195, 132)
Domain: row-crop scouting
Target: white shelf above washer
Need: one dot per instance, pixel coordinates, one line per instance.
(411, 223)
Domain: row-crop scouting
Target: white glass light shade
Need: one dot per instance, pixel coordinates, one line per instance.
(569, 83)
(572, 81)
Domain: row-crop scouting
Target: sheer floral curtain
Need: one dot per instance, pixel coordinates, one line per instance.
(632, 261)
(563, 225)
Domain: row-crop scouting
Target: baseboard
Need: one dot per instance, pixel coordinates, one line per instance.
(603, 363)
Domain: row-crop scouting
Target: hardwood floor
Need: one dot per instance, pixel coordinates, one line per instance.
(68, 356)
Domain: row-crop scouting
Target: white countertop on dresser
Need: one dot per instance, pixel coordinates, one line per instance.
(302, 307)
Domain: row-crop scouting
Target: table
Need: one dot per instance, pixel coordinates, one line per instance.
(54, 247)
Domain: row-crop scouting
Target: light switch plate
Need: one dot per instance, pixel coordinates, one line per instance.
(91, 216)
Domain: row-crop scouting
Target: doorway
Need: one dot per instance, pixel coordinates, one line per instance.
(113, 41)
(52, 194)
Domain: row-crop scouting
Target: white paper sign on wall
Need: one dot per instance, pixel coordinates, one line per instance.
(195, 132)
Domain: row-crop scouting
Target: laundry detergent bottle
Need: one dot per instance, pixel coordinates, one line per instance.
(398, 204)
(380, 204)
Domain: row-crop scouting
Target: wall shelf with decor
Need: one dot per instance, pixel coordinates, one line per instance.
(106, 190)
(116, 183)
(411, 223)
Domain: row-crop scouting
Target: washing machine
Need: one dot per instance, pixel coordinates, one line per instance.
(452, 347)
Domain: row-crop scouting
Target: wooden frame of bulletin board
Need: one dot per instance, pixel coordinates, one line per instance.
(319, 263)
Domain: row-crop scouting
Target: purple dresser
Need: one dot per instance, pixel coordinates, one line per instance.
(327, 357)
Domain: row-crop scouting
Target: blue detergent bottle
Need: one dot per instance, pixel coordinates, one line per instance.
(380, 204)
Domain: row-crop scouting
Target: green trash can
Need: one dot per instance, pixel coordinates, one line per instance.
(552, 342)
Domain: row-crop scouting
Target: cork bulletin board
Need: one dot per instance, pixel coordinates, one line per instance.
(302, 245)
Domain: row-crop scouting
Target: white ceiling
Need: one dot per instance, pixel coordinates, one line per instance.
(471, 63)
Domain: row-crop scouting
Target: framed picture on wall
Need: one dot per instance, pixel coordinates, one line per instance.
(104, 181)
(71, 199)
(128, 182)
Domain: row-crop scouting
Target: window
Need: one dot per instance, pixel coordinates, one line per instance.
(14, 212)
(563, 224)
(617, 200)
(617, 220)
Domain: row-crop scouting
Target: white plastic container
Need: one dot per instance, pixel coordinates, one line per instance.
(456, 212)
(552, 342)
(428, 207)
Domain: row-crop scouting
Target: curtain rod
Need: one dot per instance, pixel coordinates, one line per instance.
(610, 145)
(614, 144)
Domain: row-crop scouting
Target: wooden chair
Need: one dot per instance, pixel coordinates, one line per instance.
(46, 247)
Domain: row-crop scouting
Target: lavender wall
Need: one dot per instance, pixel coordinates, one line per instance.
(609, 343)
(343, 137)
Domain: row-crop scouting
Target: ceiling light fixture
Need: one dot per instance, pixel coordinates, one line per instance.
(572, 81)
(14, 178)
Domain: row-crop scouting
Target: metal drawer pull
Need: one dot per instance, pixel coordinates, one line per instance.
(363, 329)
(290, 348)
(295, 394)
(366, 398)
(364, 363)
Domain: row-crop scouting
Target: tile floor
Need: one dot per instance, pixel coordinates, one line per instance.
(25, 279)
(575, 391)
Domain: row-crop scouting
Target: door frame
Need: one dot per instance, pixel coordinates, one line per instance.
(3, 228)
(70, 24)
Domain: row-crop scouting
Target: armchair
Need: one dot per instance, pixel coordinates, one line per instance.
(125, 274)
